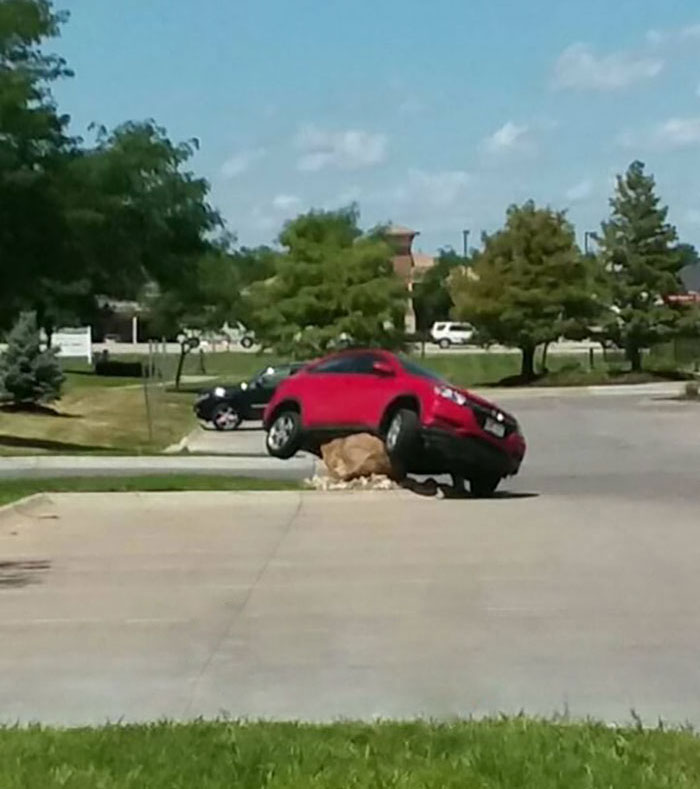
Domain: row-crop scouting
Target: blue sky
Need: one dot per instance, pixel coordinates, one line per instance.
(433, 114)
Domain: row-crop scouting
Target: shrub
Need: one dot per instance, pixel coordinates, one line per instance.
(28, 374)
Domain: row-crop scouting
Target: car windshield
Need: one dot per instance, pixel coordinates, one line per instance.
(415, 369)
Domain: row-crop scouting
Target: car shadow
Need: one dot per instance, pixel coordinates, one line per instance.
(20, 442)
(432, 488)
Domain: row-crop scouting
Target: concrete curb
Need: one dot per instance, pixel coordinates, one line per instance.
(19, 505)
(670, 389)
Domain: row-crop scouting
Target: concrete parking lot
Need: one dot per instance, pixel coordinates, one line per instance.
(575, 591)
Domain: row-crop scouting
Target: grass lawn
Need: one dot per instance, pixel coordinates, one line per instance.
(15, 489)
(103, 419)
(502, 754)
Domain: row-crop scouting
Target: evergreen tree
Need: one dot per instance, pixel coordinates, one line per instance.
(28, 374)
(331, 281)
(530, 285)
(640, 253)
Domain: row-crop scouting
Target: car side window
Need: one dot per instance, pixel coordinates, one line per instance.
(275, 377)
(359, 364)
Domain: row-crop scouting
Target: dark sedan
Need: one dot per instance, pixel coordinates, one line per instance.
(226, 407)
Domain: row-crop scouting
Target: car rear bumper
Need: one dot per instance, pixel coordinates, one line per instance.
(446, 452)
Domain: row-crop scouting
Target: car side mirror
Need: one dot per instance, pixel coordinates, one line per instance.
(384, 369)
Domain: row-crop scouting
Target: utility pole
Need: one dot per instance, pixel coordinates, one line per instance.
(465, 235)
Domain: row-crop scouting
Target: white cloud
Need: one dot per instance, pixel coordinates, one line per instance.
(580, 191)
(678, 133)
(509, 137)
(691, 32)
(580, 68)
(656, 37)
(672, 134)
(352, 149)
(284, 202)
(439, 189)
(241, 162)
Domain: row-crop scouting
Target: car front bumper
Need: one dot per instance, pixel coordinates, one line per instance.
(444, 452)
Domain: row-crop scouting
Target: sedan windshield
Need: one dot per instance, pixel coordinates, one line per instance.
(415, 369)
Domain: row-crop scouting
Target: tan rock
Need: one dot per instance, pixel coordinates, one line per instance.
(354, 457)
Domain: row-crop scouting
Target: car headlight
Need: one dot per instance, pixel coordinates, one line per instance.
(219, 392)
(451, 394)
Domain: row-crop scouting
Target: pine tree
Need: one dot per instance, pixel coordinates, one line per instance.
(640, 253)
(332, 281)
(28, 374)
(530, 285)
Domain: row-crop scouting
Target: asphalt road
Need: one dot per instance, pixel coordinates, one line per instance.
(574, 591)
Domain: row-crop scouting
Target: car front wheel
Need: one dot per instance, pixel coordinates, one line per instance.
(284, 436)
(484, 486)
(402, 436)
(226, 418)
(444, 343)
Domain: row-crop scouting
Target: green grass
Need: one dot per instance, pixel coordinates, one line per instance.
(15, 489)
(496, 754)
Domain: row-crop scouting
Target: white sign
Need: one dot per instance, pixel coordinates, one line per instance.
(76, 343)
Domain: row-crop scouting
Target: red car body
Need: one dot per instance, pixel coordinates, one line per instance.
(360, 391)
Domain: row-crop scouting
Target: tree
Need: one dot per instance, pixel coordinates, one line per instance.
(331, 281)
(432, 300)
(529, 286)
(690, 267)
(28, 374)
(640, 253)
(33, 148)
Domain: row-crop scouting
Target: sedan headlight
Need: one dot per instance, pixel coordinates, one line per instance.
(219, 392)
(451, 394)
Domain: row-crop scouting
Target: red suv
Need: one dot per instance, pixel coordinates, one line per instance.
(428, 426)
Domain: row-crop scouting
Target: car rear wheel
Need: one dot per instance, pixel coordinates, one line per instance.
(284, 436)
(444, 343)
(226, 418)
(484, 486)
(247, 342)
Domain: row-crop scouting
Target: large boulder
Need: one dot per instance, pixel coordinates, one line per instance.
(357, 456)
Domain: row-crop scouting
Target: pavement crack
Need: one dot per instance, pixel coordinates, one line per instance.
(239, 609)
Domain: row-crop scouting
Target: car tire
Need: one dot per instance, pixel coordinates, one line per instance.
(484, 486)
(247, 342)
(402, 438)
(226, 418)
(284, 436)
(445, 343)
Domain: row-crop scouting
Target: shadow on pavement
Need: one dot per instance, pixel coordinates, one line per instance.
(431, 487)
(23, 573)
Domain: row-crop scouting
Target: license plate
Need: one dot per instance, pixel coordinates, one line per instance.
(497, 429)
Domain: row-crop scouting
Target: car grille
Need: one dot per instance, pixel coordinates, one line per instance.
(482, 413)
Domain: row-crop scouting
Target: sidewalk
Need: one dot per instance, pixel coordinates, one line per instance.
(661, 389)
(45, 466)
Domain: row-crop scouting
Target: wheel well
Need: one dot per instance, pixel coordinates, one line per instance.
(407, 402)
(285, 405)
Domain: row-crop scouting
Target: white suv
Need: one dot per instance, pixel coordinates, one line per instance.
(447, 334)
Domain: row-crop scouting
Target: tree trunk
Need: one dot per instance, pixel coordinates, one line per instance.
(527, 371)
(634, 356)
(544, 358)
(180, 365)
